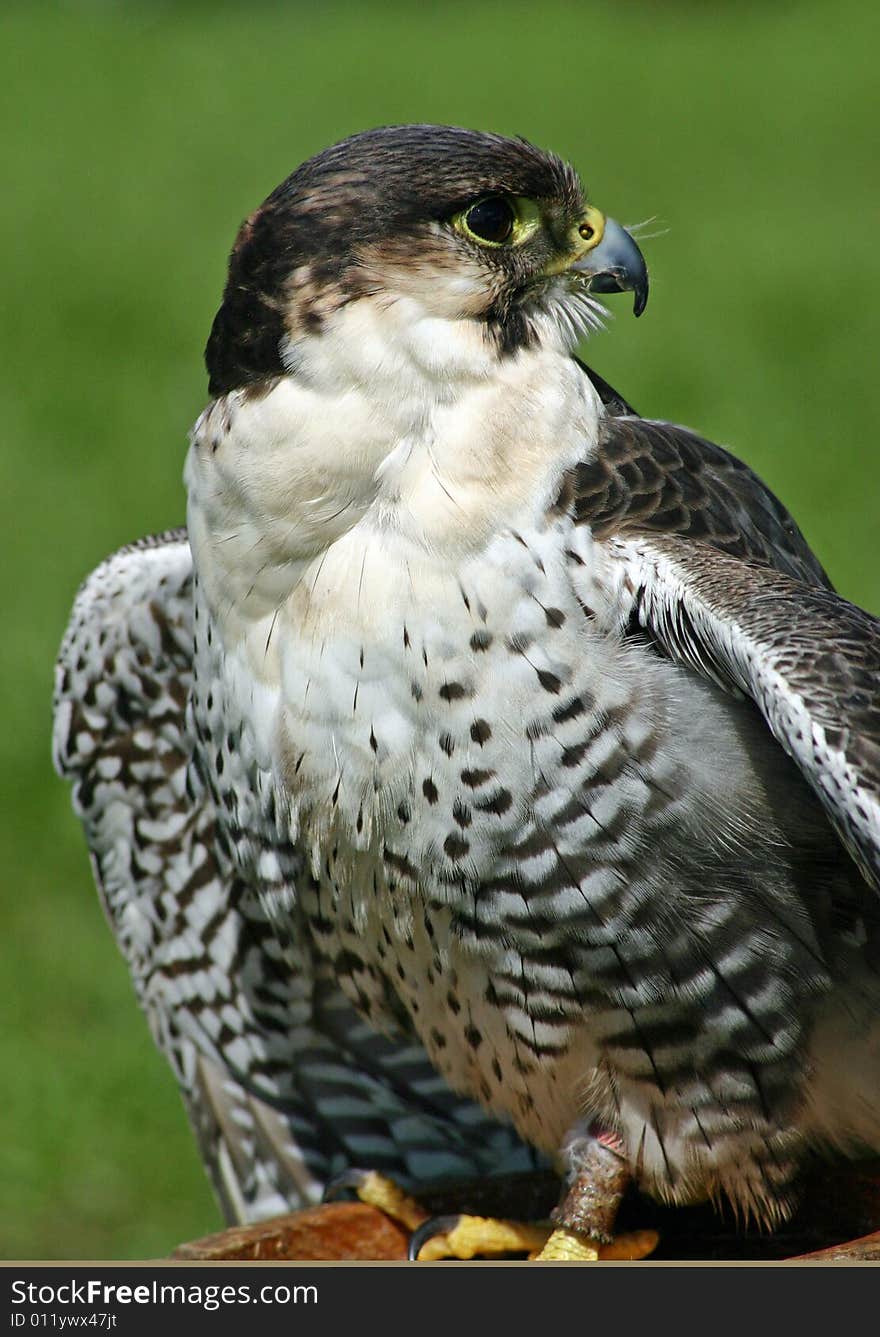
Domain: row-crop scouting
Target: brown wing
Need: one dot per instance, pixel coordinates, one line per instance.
(653, 477)
(710, 564)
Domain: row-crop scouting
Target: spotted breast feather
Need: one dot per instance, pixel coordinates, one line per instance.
(283, 1083)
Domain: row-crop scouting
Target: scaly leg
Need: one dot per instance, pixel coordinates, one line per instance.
(587, 1211)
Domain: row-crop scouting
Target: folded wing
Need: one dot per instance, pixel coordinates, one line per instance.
(712, 567)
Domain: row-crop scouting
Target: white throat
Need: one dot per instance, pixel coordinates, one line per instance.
(402, 428)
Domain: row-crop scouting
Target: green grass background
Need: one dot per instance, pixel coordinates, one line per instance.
(134, 138)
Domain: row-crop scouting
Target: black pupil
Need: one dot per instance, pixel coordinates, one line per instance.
(491, 220)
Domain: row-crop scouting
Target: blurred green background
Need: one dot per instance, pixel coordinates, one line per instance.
(135, 137)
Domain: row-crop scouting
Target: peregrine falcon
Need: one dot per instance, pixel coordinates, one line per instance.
(486, 773)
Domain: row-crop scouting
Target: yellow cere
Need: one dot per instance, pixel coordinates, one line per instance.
(585, 236)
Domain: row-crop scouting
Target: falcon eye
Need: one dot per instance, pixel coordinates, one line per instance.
(491, 220)
(499, 220)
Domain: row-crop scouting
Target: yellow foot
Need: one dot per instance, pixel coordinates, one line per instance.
(465, 1237)
(458, 1236)
(629, 1248)
(568, 1246)
(382, 1193)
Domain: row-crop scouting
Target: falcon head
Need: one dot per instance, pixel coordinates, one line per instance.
(490, 237)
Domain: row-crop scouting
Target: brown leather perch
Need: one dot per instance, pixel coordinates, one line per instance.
(837, 1222)
(864, 1250)
(335, 1231)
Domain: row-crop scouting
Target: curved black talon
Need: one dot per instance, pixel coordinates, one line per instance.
(347, 1179)
(435, 1225)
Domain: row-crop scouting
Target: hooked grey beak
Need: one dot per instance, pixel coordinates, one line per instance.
(616, 265)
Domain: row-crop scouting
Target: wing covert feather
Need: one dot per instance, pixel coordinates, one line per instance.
(709, 563)
(809, 659)
(655, 477)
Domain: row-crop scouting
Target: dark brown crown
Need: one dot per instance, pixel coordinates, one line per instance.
(373, 186)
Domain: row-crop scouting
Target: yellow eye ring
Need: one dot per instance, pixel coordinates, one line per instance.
(497, 221)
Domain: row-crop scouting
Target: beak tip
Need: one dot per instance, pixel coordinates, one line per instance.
(617, 265)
